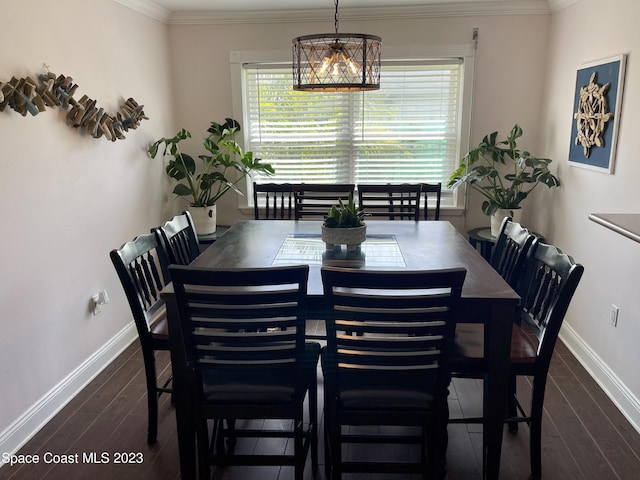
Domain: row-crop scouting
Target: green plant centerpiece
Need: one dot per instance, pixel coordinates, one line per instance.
(503, 174)
(223, 167)
(344, 225)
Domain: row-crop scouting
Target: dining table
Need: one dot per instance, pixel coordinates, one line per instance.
(389, 244)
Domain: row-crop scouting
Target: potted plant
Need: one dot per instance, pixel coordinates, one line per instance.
(203, 187)
(503, 174)
(344, 225)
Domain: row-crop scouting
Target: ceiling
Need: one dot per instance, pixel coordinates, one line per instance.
(259, 11)
(265, 5)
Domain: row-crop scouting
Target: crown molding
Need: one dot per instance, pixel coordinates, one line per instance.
(557, 5)
(147, 8)
(461, 8)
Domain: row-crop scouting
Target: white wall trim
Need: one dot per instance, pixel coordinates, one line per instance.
(33, 419)
(615, 389)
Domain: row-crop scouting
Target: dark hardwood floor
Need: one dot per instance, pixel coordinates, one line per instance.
(584, 435)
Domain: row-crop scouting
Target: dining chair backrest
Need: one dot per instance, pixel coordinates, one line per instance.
(510, 250)
(241, 319)
(275, 199)
(179, 239)
(432, 192)
(313, 200)
(546, 287)
(142, 268)
(392, 201)
(391, 323)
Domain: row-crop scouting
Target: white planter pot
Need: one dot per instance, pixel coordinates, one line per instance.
(204, 219)
(351, 237)
(498, 217)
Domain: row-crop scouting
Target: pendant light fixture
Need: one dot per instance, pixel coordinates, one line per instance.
(330, 62)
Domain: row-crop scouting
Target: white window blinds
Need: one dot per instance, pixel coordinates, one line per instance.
(408, 131)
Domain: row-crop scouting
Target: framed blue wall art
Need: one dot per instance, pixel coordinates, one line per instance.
(596, 114)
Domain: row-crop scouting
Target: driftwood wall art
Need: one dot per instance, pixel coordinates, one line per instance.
(596, 114)
(25, 95)
(592, 115)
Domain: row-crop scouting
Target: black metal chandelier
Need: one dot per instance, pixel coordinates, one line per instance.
(330, 62)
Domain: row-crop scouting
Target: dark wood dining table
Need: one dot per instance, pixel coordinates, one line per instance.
(410, 245)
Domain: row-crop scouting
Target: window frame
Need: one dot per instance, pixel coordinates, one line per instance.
(465, 52)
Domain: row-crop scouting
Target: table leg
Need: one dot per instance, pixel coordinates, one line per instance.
(497, 351)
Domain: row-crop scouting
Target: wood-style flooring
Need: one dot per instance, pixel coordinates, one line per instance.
(584, 435)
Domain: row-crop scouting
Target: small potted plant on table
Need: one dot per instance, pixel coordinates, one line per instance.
(344, 225)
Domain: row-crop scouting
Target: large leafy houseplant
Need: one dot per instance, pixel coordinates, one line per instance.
(203, 187)
(502, 173)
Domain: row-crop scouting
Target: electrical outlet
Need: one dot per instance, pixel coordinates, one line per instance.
(100, 298)
(94, 305)
(614, 316)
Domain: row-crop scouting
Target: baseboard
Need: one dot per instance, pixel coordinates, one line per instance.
(615, 389)
(32, 420)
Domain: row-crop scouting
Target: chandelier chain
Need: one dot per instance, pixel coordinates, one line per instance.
(336, 18)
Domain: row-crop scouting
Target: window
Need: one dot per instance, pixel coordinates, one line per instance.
(411, 130)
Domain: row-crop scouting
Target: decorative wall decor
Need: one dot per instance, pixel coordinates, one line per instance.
(596, 114)
(24, 95)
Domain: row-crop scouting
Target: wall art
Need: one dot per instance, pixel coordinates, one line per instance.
(596, 114)
(25, 95)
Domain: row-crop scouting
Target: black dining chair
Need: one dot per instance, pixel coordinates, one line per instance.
(313, 200)
(394, 201)
(179, 239)
(432, 198)
(275, 200)
(142, 269)
(243, 334)
(386, 365)
(546, 287)
(510, 251)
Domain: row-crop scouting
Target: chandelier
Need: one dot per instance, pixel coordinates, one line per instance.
(330, 62)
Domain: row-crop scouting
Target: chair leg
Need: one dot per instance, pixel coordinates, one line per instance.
(535, 428)
(152, 394)
(512, 409)
(217, 437)
(437, 442)
(313, 419)
(335, 448)
(327, 448)
(232, 440)
(203, 445)
(298, 449)
(423, 453)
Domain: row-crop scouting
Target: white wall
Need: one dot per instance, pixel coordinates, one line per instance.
(510, 69)
(586, 31)
(67, 198)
